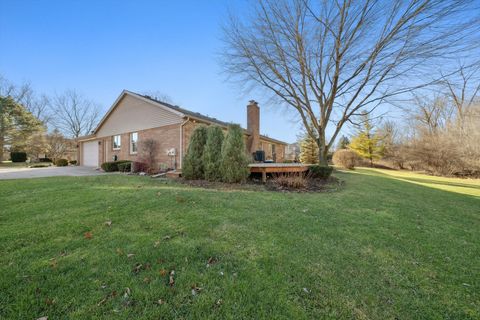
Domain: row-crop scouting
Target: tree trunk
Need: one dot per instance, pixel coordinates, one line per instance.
(322, 151)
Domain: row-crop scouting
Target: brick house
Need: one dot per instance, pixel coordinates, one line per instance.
(134, 118)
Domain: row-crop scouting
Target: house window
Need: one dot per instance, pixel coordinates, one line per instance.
(117, 142)
(133, 142)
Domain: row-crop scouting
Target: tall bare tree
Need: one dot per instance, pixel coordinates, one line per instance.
(75, 115)
(38, 105)
(330, 60)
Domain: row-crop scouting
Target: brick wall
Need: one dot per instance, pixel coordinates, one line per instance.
(167, 137)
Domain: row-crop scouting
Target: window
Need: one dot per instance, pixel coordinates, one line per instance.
(117, 142)
(133, 142)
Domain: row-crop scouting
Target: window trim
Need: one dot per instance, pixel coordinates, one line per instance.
(131, 142)
(120, 142)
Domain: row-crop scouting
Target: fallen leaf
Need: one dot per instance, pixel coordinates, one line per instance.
(219, 302)
(167, 238)
(88, 235)
(160, 301)
(221, 273)
(53, 263)
(195, 290)
(163, 272)
(157, 243)
(306, 290)
(119, 251)
(159, 193)
(137, 268)
(130, 255)
(108, 223)
(127, 292)
(146, 280)
(171, 282)
(211, 260)
(49, 301)
(43, 318)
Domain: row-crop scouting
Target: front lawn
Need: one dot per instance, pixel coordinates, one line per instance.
(389, 245)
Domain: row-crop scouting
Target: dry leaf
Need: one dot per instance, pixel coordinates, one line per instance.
(219, 302)
(43, 318)
(119, 251)
(108, 223)
(127, 292)
(160, 301)
(130, 255)
(49, 301)
(163, 272)
(171, 282)
(167, 238)
(146, 280)
(137, 268)
(157, 243)
(195, 290)
(87, 235)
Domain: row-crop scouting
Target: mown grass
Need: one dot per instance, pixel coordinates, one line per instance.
(384, 247)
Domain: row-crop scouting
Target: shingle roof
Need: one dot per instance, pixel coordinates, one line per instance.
(200, 116)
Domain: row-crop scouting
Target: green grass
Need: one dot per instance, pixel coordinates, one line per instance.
(390, 245)
(10, 164)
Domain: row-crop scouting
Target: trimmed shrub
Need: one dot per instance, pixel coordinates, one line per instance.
(138, 166)
(125, 166)
(72, 162)
(61, 162)
(212, 154)
(345, 158)
(234, 165)
(18, 156)
(193, 166)
(44, 160)
(112, 166)
(320, 172)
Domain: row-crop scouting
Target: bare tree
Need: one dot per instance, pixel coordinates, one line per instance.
(74, 114)
(38, 105)
(159, 96)
(57, 145)
(330, 60)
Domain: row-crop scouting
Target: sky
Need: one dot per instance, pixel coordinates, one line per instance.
(101, 47)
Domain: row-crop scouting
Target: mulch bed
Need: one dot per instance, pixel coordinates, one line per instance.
(331, 184)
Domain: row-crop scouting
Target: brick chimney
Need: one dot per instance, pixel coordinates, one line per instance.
(253, 126)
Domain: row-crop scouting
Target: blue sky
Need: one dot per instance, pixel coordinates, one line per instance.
(101, 47)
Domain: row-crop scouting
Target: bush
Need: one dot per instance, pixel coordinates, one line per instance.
(18, 156)
(290, 181)
(44, 160)
(112, 166)
(73, 162)
(212, 154)
(61, 162)
(138, 166)
(345, 158)
(125, 166)
(321, 172)
(234, 165)
(193, 166)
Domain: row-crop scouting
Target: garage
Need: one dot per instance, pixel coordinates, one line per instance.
(90, 154)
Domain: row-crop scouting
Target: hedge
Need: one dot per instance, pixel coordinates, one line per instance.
(18, 156)
(112, 166)
(321, 172)
(61, 162)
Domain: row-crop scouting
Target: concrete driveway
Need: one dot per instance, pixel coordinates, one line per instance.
(26, 173)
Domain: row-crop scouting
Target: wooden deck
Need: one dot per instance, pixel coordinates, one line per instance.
(265, 168)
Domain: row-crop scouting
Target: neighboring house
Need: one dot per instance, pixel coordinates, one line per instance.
(134, 118)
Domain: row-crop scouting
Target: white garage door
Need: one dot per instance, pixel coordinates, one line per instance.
(90, 154)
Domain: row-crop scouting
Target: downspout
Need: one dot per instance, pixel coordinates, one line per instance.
(181, 141)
